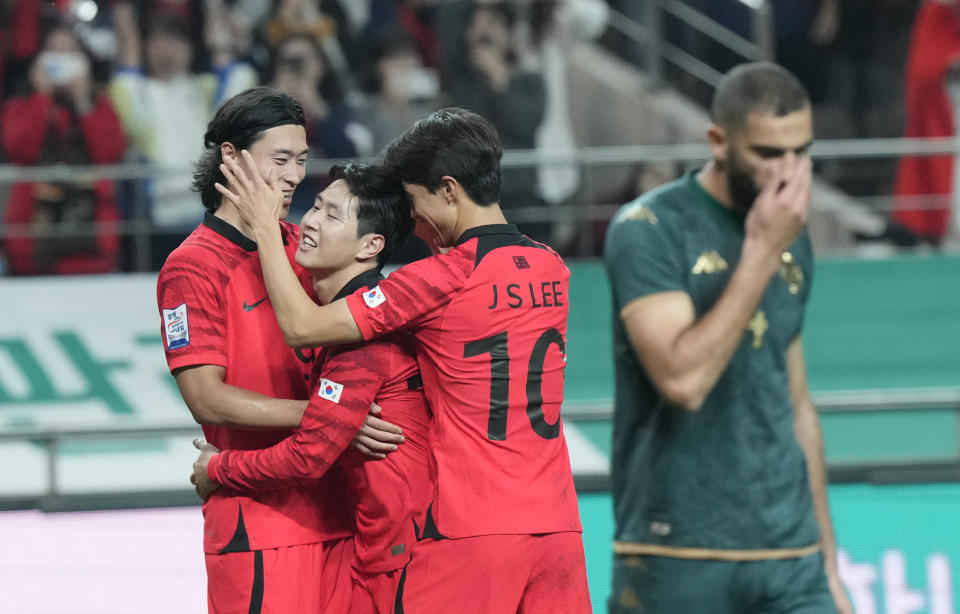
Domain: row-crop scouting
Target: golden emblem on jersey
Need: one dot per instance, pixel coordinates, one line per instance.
(791, 273)
(758, 326)
(638, 212)
(709, 262)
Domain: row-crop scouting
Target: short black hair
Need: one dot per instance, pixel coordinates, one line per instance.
(383, 206)
(454, 142)
(241, 120)
(757, 87)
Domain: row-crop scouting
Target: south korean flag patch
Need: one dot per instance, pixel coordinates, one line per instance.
(374, 296)
(176, 327)
(330, 391)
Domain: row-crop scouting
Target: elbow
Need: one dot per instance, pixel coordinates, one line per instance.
(204, 418)
(682, 393)
(296, 338)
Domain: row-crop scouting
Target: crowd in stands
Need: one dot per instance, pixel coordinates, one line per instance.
(90, 82)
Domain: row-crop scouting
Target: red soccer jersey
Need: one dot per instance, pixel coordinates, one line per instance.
(215, 311)
(389, 493)
(490, 319)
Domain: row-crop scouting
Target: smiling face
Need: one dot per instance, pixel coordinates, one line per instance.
(434, 218)
(764, 142)
(282, 152)
(328, 231)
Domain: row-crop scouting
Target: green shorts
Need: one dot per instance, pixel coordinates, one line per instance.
(666, 585)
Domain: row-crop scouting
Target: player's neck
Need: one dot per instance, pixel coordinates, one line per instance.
(229, 214)
(714, 182)
(473, 215)
(327, 284)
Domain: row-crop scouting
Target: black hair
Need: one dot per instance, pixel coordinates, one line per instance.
(388, 42)
(329, 88)
(454, 142)
(758, 87)
(241, 120)
(383, 206)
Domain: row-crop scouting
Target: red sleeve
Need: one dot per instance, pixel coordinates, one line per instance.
(25, 28)
(25, 128)
(103, 133)
(188, 299)
(349, 381)
(411, 295)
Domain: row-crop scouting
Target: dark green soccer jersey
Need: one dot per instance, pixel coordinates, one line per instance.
(732, 475)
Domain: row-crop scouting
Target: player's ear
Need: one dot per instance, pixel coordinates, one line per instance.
(228, 151)
(450, 189)
(718, 141)
(371, 244)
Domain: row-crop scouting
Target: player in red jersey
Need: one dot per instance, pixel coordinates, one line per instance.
(285, 550)
(488, 314)
(353, 226)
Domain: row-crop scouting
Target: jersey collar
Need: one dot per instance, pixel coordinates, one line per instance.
(489, 229)
(367, 279)
(230, 232)
(712, 203)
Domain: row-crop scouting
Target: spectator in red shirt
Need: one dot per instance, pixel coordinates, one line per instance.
(63, 119)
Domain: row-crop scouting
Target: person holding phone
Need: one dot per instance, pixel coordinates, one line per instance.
(62, 118)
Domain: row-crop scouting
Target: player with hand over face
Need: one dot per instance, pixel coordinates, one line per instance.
(718, 476)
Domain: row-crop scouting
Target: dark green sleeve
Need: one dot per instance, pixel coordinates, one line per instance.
(642, 257)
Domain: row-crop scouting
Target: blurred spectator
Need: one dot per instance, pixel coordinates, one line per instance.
(19, 40)
(512, 97)
(400, 89)
(932, 102)
(555, 27)
(300, 68)
(63, 119)
(165, 107)
(324, 21)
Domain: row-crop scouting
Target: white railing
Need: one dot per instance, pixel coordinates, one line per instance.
(656, 49)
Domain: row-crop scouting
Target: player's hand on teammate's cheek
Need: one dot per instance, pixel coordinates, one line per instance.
(258, 201)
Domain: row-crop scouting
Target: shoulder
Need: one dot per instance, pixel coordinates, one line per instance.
(199, 255)
(458, 263)
(656, 206)
(289, 231)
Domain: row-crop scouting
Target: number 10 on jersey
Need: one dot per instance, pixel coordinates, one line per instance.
(497, 347)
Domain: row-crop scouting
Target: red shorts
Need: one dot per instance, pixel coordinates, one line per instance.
(527, 574)
(307, 579)
(374, 593)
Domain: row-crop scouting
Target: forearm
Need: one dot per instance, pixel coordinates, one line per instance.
(306, 455)
(702, 352)
(303, 322)
(281, 466)
(810, 437)
(25, 128)
(103, 133)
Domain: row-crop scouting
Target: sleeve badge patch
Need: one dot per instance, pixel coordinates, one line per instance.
(330, 391)
(374, 296)
(176, 328)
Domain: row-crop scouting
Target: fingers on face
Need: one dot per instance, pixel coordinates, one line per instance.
(226, 192)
